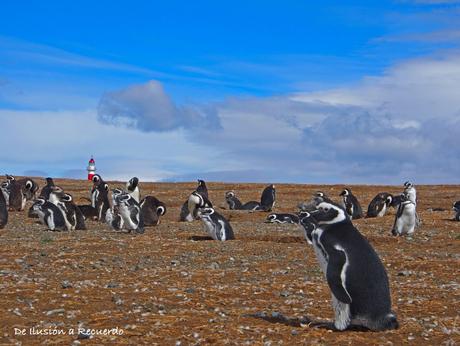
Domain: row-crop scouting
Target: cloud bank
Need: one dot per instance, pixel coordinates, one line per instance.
(400, 125)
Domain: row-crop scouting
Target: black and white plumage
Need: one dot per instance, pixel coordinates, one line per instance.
(100, 199)
(130, 212)
(5, 190)
(406, 217)
(379, 205)
(351, 205)
(47, 189)
(151, 209)
(132, 186)
(3, 211)
(353, 270)
(17, 196)
(233, 202)
(50, 215)
(410, 192)
(190, 207)
(72, 213)
(318, 197)
(215, 224)
(456, 208)
(282, 218)
(268, 198)
(202, 188)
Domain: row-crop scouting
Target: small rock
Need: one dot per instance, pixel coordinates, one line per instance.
(190, 290)
(117, 300)
(55, 311)
(294, 332)
(284, 294)
(113, 285)
(66, 284)
(214, 265)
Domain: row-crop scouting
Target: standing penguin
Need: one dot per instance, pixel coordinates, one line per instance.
(353, 270)
(151, 210)
(47, 189)
(132, 186)
(3, 212)
(411, 192)
(268, 198)
(456, 208)
(351, 204)
(215, 224)
(406, 217)
(17, 197)
(187, 214)
(379, 205)
(202, 188)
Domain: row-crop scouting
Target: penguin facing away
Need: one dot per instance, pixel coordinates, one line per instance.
(215, 224)
(354, 273)
(151, 210)
(351, 204)
(406, 217)
(268, 198)
(379, 205)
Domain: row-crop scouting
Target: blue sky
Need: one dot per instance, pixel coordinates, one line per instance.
(285, 91)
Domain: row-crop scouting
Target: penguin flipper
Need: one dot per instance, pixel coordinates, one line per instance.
(335, 266)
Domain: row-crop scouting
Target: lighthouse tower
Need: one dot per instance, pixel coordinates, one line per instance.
(91, 168)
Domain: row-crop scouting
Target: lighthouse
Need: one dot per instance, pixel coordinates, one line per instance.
(91, 168)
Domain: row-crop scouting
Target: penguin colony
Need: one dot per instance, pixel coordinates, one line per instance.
(353, 270)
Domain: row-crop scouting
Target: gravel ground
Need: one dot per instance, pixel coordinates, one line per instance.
(173, 286)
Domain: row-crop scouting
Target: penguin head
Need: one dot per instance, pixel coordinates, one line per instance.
(66, 198)
(205, 212)
(5, 185)
(389, 200)
(229, 194)
(319, 194)
(408, 185)
(201, 183)
(345, 192)
(49, 181)
(328, 213)
(38, 203)
(456, 206)
(9, 177)
(96, 179)
(308, 222)
(161, 210)
(132, 183)
(271, 218)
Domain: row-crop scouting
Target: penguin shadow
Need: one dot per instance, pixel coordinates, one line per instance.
(199, 238)
(277, 318)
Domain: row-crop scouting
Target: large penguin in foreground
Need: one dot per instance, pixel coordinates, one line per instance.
(355, 275)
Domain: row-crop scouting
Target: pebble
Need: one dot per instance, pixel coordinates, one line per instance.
(55, 311)
(66, 284)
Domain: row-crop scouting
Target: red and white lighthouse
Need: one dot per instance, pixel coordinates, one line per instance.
(91, 168)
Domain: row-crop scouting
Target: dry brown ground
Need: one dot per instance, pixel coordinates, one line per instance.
(162, 287)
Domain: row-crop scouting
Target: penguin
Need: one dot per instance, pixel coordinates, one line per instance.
(233, 202)
(406, 217)
(3, 211)
(46, 190)
(100, 197)
(215, 224)
(17, 196)
(202, 188)
(379, 205)
(29, 187)
(50, 215)
(130, 212)
(396, 201)
(132, 186)
(456, 208)
(5, 189)
(282, 218)
(353, 270)
(72, 213)
(114, 219)
(268, 198)
(151, 210)
(189, 208)
(351, 205)
(411, 192)
(97, 180)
